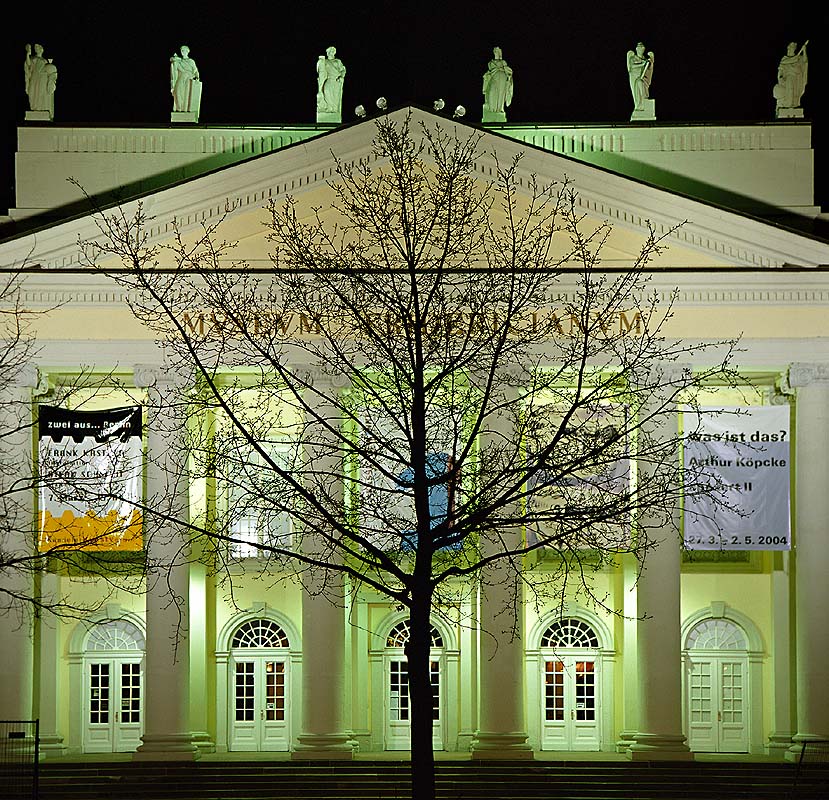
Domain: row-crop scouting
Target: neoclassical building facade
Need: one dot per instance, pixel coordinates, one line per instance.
(712, 651)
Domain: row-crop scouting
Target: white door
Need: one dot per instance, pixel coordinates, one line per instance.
(398, 705)
(259, 712)
(570, 717)
(717, 709)
(113, 705)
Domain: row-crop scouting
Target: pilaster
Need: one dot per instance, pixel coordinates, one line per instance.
(48, 672)
(630, 682)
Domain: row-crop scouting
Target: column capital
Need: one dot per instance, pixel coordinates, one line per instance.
(319, 376)
(804, 373)
(161, 377)
(662, 373)
(26, 376)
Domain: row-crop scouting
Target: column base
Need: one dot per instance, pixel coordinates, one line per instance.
(779, 743)
(624, 741)
(52, 746)
(659, 747)
(799, 739)
(167, 747)
(323, 746)
(501, 746)
(203, 741)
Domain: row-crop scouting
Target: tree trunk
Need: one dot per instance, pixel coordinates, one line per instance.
(420, 693)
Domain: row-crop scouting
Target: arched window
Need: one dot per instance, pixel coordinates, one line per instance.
(259, 633)
(400, 634)
(716, 634)
(116, 634)
(569, 632)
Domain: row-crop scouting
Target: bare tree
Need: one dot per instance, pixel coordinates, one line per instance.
(433, 383)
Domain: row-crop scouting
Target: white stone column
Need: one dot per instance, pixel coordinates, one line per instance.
(16, 526)
(502, 719)
(167, 732)
(811, 553)
(324, 734)
(658, 636)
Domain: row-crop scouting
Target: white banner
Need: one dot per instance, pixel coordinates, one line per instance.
(742, 454)
(90, 465)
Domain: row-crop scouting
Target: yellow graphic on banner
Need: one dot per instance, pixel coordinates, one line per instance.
(90, 532)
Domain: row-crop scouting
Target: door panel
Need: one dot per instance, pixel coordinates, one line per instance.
(398, 717)
(259, 712)
(128, 714)
(113, 706)
(717, 711)
(571, 708)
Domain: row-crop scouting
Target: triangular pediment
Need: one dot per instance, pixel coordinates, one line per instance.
(707, 237)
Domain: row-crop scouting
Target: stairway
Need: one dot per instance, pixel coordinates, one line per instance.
(461, 780)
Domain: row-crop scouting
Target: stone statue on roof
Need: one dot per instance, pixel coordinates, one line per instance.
(185, 86)
(330, 77)
(41, 77)
(640, 74)
(791, 81)
(497, 88)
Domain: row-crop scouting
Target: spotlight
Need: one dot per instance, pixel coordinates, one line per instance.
(360, 111)
(382, 103)
(459, 112)
(439, 104)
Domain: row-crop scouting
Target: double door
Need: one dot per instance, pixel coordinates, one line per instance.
(398, 705)
(570, 716)
(259, 704)
(113, 705)
(717, 710)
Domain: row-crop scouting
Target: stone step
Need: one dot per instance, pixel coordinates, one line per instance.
(455, 781)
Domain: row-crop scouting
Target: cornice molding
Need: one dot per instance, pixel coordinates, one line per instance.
(45, 290)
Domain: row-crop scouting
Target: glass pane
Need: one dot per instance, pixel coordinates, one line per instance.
(245, 710)
(554, 691)
(131, 693)
(434, 676)
(585, 691)
(274, 691)
(260, 633)
(569, 633)
(99, 693)
(398, 691)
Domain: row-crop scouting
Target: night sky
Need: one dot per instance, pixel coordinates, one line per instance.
(714, 62)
